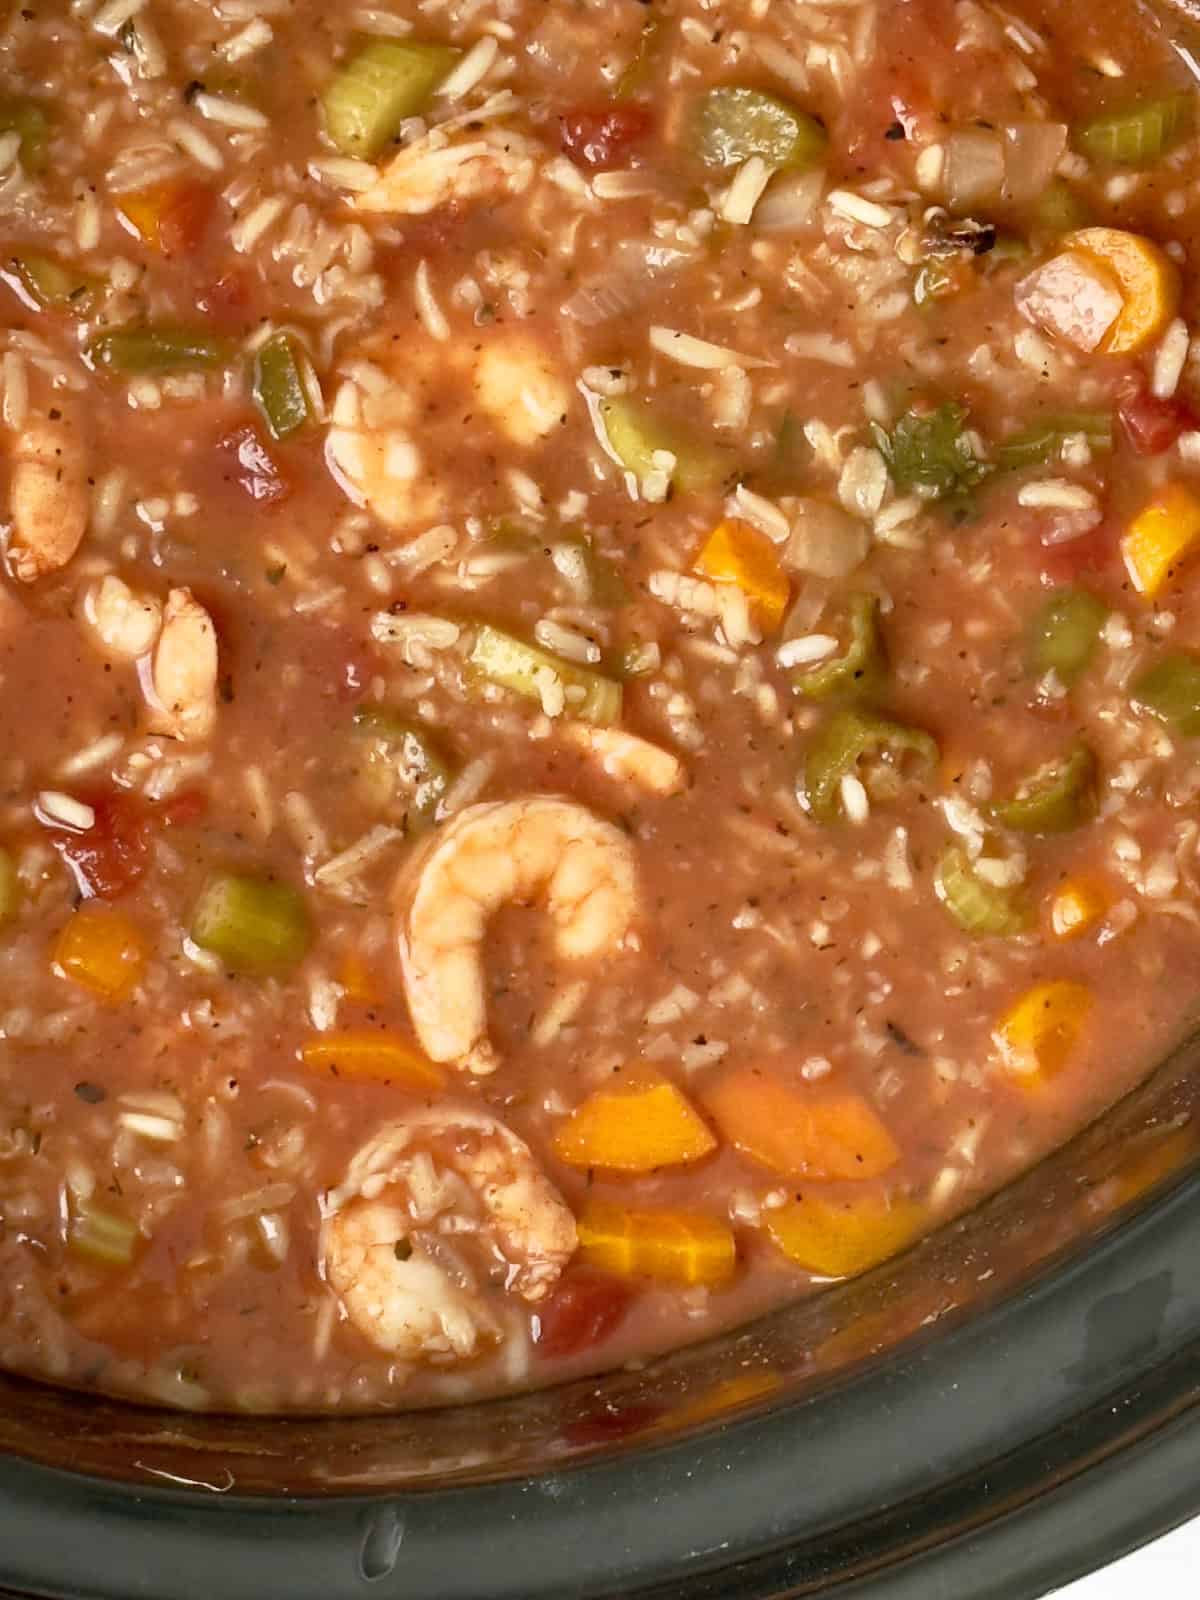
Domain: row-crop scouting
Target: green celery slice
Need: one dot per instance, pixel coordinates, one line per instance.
(10, 888)
(372, 93)
(503, 659)
(1064, 633)
(1139, 134)
(636, 434)
(858, 669)
(277, 384)
(152, 351)
(732, 124)
(1170, 690)
(1057, 797)
(254, 925)
(27, 118)
(850, 737)
(413, 754)
(101, 1236)
(978, 907)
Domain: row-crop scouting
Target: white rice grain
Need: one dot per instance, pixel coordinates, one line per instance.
(1169, 360)
(857, 208)
(739, 200)
(432, 318)
(195, 144)
(230, 113)
(470, 70)
(692, 352)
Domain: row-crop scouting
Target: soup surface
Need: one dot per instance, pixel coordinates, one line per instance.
(598, 673)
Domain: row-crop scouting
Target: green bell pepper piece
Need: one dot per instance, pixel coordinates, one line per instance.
(858, 669)
(850, 737)
(153, 351)
(1064, 634)
(277, 384)
(1170, 691)
(1057, 797)
(732, 124)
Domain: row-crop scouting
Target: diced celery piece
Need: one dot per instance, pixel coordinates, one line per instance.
(28, 119)
(51, 284)
(10, 888)
(977, 906)
(1140, 133)
(150, 351)
(500, 658)
(277, 385)
(636, 435)
(372, 93)
(101, 1236)
(254, 925)
(732, 124)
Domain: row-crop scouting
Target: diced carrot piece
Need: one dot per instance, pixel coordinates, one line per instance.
(371, 1053)
(798, 1134)
(837, 1239)
(1162, 534)
(671, 1246)
(636, 1124)
(1076, 906)
(1040, 1030)
(103, 951)
(356, 980)
(737, 553)
(1148, 280)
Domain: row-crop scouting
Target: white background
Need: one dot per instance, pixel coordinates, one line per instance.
(1165, 1570)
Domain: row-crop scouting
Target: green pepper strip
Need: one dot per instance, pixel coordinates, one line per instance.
(1041, 443)
(976, 906)
(49, 284)
(422, 765)
(857, 670)
(149, 351)
(28, 119)
(277, 385)
(1064, 634)
(1058, 796)
(845, 740)
(1170, 690)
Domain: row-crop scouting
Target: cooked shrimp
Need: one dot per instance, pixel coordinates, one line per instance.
(397, 430)
(540, 848)
(434, 171)
(627, 757)
(181, 684)
(125, 624)
(435, 1205)
(49, 498)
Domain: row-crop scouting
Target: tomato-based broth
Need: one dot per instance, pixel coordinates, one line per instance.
(598, 690)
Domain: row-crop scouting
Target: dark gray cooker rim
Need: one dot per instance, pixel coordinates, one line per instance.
(992, 1461)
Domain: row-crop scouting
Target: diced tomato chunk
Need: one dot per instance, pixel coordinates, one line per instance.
(229, 300)
(110, 858)
(252, 466)
(1151, 424)
(600, 138)
(583, 1309)
(1093, 552)
(184, 219)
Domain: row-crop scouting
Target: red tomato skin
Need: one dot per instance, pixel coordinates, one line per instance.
(185, 220)
(601, 137)
(1152, 425)
(581, 1311)
(111, 857)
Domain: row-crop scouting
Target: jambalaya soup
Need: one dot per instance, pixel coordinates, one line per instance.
(600, 674)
